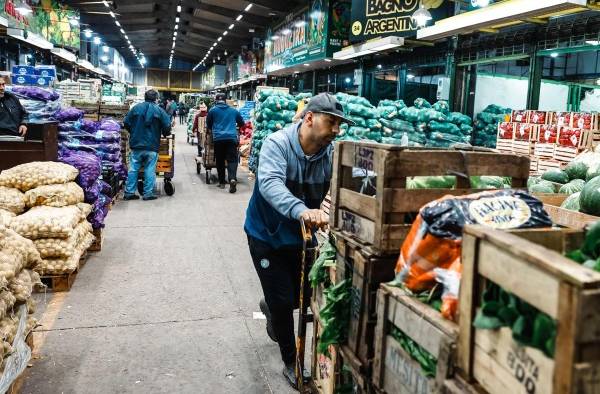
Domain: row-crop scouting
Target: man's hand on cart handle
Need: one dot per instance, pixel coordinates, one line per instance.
(315, 218)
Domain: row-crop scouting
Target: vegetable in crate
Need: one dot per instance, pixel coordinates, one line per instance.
(572, 202)
(431, 252)
(335, 316)
(557, 176)
(589, 253)
(575, 186)
(327, 258)
(590, 197)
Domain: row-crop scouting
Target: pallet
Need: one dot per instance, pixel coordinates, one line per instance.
(381, 219)
(566, 291)
(394, 370)
(543, 150)
(367, 271)
(533, 167)
(98, 241)
(504, 146)
(549, 164)
(63, 282)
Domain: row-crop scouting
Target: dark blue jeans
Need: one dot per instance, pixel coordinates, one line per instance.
(141, 159)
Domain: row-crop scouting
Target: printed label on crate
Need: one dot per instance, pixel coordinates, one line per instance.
(562, 119)
(519, 116)
(365, 158)
(523, 367)
(500, 212)
(583, 120)
(548, 134)
(325, 366)
(569, 137)
(410, 373)
(537, 117)
(506, 130)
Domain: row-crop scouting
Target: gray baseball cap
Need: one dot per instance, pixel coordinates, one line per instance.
(325, 103)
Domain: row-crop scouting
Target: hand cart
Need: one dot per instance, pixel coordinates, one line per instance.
(308, 257)
(208, 155)
(165, 167)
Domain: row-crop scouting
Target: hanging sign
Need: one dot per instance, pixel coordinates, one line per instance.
(381, 18)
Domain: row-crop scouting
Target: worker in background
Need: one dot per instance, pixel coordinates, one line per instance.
(182, 111)
(293, 177)
(173, 109)
(199, 124)
(146, 123)
(223, 122)
(12, 113)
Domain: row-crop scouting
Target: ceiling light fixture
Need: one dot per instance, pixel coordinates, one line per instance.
(122, 31)
(248, 7)
(239, 17)
(554, 54)
(286, 32)
(176, 27)
(177, 20)
(422, 16)
(219, 39)
(105, 49)
(117, 23)
(88, 33)
(97, 40)
(225, 32)
(178, 8)
(111, 13)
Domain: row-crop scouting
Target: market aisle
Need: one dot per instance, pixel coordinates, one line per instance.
(167, 306)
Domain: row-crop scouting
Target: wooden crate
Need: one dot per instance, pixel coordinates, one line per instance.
(533, 167)
(555, 285)
(568, 153)
(394, 370)
(62, 282)
(549, 164)
(367, 271)
(562, 119)
(325, 369)
(98, 241)
(457, 385)
(504, 146)
(585, 120)
(520, 116)
(538, 117)
(544, 150)
(523, 148)
(382, 221)
(526, 132)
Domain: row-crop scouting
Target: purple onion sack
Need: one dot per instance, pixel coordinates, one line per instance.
(89, 126)
(68, 114)
(109, 124)
(88, 164)
(35, 93)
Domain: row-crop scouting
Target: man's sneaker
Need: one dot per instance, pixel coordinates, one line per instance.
(232, 186)
(221, 186)
(129, 197)
(264, 308)
(289, 372)
(150, 198)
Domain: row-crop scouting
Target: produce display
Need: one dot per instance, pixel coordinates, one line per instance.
(486, 125)
(431, 252)
(274, 111)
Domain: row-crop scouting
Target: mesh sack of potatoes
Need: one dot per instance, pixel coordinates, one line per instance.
(12, 200)
(6, 217)
(47, 222)
(38, 173)
(54, 195)
(62, 248)
(65, 265)
(17, 246)
(31, 304)
(22, 285)
(85, 210)
(7, 301)
(8, 328)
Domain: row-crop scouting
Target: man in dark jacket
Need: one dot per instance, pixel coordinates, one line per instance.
(12, 113)
(293, 177)
(222, 122)
(146, 122)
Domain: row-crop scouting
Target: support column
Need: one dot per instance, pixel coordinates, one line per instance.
(536, 64)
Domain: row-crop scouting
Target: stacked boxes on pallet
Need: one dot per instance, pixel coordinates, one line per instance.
(551, 139)
(370, 229)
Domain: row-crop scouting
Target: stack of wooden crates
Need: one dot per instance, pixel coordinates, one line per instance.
(371, 215)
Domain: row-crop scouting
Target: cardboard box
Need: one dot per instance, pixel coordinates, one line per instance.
(23, 70)
(23, 79)
(506, 131)
(537, 117)
(43, 81)
(519, 116)
(45, 71)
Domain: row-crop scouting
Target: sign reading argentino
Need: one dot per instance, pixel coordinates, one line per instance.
(381, 18)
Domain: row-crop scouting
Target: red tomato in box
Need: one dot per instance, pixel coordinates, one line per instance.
(562, 119)
(548, 134)
(582, 120)
(569, 137)
(537, 117)
(523, 132)
(506, 131)
(519, 116)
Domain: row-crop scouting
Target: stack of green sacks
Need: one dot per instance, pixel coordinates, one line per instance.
(274, 111)
(395, 128)
(365, 115)
(486, 125)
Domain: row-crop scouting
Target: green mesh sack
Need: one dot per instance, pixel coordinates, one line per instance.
(388, 112)
(398, 125)
(421, 103)
(445, 128)
(442, 106)
(410, 114)
(360, 121)
(360, 132)
(466, 129)
(459, 119)
(428, 115)
(374, 125)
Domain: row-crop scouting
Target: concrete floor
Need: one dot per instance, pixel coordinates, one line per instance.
(167, 306)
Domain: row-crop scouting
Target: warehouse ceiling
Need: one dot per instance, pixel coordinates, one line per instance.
(149, 24)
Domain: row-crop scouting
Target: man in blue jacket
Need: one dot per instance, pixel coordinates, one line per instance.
(223, 122)
(293, 177)
(146, 122)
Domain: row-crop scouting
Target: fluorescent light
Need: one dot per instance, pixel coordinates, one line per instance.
(178, 8)
(275, 37)
(554, 54)
(117, 23)
(215, 44)
(105, 49)
(73, 22)
(225, 32)
(592, 42)
(369, 47)
(122, 31)
(176, 27)
(174, 34)
(126, 37)
(286, 32)
(327, 60)
(410, 76)
(219, 39)
(379, 66)
(111, 13)
(105, 3)
(231, 26)
(173, 46)
(248, 7)
(306, 64)
(97, 40)
(239, 17)
(104, 58)
(87, 33)
(177, 19)
(300, 23)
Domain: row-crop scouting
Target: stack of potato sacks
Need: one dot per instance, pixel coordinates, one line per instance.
(50, 212)
(18, 259)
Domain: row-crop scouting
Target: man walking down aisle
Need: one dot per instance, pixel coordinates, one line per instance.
(146, 122)
(293, 177)
(223, 122)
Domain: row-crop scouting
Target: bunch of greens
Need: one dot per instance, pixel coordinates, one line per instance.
(589, 253)
(327, 257)
(335, 316)
(427, 362)
(529, 326)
